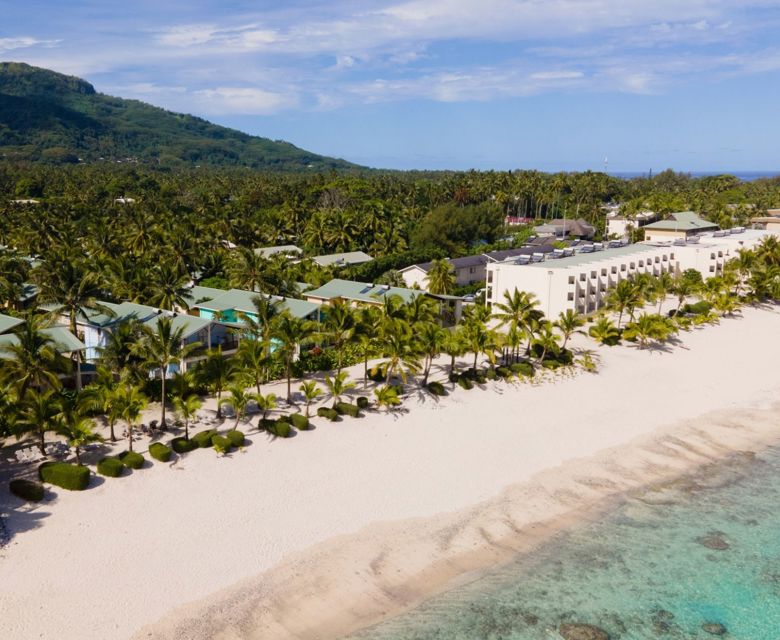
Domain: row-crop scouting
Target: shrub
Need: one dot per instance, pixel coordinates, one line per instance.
(62, 474)
(504, 372)
(132, 459)
(522, 369)
(110, 467)
(552, 364)
(491, 374)
(362, 402)
(470, 373)
(436, 388)
(221, 444)
(180, 445)
(160, 452)
(300, 421)
(203, 439)
(280, 428)
(375, 374)
(236, 437)
(267, 423)
(327, 412)
(453, 377)
(465, 383)
(701, 308)
(345, 408)
(27, 489)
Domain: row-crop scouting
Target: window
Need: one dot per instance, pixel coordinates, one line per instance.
(582, 277)
(657, 259)
(622, 267)
(641, 263)
(570, 296)
(671, 256)
(571, 279)
(712, 256)
(664, 258)
(489, 293)
(614, 269)
(632, 265)
(490, 276)
(720, 254)
(471, 269)
(592, 274)
(603, 272)
(712, 269)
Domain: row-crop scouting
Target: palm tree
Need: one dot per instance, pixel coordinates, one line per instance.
(649, 327)
(239, 399)
(77, 428)
(663, 286)
(187, 408)
(519, 310)
(265, 403)
(387, 396)
(168, 287)
(120, 352)
(40, 413)
(569, 323)
(686, 285)
(131, 402)
(478, 337)
(338, 328)
(338, 385)
(604, 331)
(216, 372)
(626, 296)
(454, 346)
(162, 347)
(254, 359)
(547, 340)
(310, 392)
(399, 347)
(441, 277)
(101, 396)
(291, 332)
(431, 338)
(367, 332)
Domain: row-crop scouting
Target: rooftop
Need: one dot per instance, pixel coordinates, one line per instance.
(342, 259)
(362, 291)
(64, 340)
(188, 324)
(8, 322)
(683, 221)
(267, 252)
(243, 301)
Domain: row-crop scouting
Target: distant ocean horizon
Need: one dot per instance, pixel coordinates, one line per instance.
(745, 176)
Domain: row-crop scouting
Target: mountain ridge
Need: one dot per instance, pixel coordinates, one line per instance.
(47, 116)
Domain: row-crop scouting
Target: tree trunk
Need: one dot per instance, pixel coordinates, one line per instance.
(111, 427)
(219, 404)
(186, 429)
(78, 456)
(42, 441)
(289, 388)
(130, 437)
(365, 370)
(162, 419)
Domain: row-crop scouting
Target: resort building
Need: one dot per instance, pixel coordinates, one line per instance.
(620, 227)
(342, 259)
(564, 229)
(64, 341)
(769, 222)
(682, 225)
(287, 250)
(580, 279)
(357, 293)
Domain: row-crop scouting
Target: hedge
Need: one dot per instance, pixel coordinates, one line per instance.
(181, 445)
(62, 474)
(345, 408)
(280, 429)
(110, 467)
(327, 412)
(552, 364)
(132, 459)
(300, 421)
(221, 443)
(27, 489)
(436, 388)
(203, 439)
(363, 402)
(160, 452)
(522, 368)
(701, 308)
(491, 374)
(504, 372)
(465, 383)
(236, 437)
(453, 377)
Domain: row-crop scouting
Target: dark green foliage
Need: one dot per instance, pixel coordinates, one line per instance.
(491, 374)
(436, 388)
(327, 412)
(236, 437)
(160, 452)
(363, 402)
(280, 429)
(180, 445)
(221, 443)
(348, 409)
(51, 117)
(465, 383)
(566, 357)
(132, 459)
(455, 229)
(503, 372)
(299, 421)
(453, 377)
(110, 467)
(522, 368)
(371, 271)
(701, 308)
(375, 375)
(62, 474)
(552, 364)
(27, 489)
(203, 438)
(267, 423)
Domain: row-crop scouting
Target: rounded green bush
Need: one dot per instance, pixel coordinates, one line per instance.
(221, 443)
(453, 377)
(491, 374)
(132, 459)
(362, 402)
(347, 409)
(300, 421)
(503, 372)
(203, 439)
(26, 489)
(236, 437)
(160, 452)
(63, 474)
(110, 467)
(327, 412)
(465, 383)
(436, 388)
(180, 445)
(522, 368)
(280, 429)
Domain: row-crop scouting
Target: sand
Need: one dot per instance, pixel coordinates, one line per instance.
(331, 530)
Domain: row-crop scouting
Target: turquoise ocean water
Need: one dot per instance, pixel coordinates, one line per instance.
(662, 563)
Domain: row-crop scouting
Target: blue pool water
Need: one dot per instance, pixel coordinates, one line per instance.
(646, 570)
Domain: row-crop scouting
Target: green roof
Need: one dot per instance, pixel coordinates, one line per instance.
(240, 300)
(342, 259)
(682, 221)
(123, 312)
(64, 340)
(8, 322)
(202, 294)
(188, 324)
(362, 291)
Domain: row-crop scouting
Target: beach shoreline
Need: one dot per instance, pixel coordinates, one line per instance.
(338, 528)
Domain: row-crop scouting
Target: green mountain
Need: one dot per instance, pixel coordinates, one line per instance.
(47, 116)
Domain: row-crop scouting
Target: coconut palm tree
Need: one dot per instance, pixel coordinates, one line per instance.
(101, 394)
(626, 296)
(569, 323)
(168, 287)
(76, 427)
(255, 360)
(160, 348)
(386, 396)
(40, 413)
(441, 277)
(131, 402)
(519, 310)
(649, 327)
(265, 403)
(338, 385)
(239, 399)
(430, 339)
(120, 352)
(604, 331)
(338, 328)
(367, 333)
(663, 287)
(216, 373)
(187, 408)
(400, 350)
(547, 340)
(291, 332)
(310, 392)
(454, 346)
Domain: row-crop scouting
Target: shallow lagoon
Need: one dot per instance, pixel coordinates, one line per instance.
(660, 564)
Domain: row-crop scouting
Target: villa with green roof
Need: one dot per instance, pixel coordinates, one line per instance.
(681, 225)
(230, 306)
(64, 341)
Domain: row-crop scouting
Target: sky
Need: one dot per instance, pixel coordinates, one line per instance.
(633, 85)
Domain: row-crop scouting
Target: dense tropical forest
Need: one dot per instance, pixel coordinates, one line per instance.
(49, 117)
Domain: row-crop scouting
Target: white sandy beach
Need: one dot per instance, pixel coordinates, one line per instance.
(319, 534)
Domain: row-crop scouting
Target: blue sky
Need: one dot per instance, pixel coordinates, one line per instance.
(503, 84)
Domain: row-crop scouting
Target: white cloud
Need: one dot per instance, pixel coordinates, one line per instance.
(242, 100)
(557, 75)
(24, 42)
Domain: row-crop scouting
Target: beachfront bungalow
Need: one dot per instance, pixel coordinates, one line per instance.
(681, 225)
(64, 341)
(200, 332)
(347, 259)
(287, 250)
